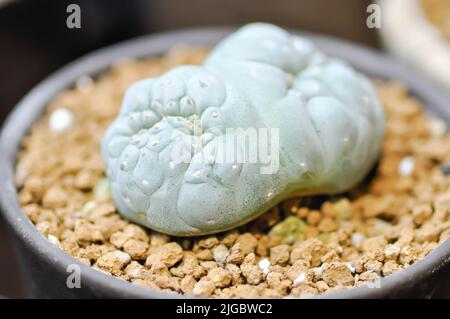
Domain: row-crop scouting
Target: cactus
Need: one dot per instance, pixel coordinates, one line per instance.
(164, 152)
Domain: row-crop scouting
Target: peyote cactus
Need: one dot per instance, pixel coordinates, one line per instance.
(164, 153)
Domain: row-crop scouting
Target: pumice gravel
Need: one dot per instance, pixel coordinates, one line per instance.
(302, 247)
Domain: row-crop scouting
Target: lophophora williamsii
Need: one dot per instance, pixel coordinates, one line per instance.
(168, 154)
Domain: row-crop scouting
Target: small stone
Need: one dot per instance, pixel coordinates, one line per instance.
(230, 238)
(357, 239)
(88, 208)
(220, 277)
(327, 225)
(204, 288)
(113, 262)
(422, 213)
(135, 270)
(300, 279)
(45, 228)
(331, 255)
(313, 218)
(369, 278)
(61, 120)
(262, 249)
(83, 231)
(437, 127)
(124, 258)
(209, 242)
(279, 254)
(310, 250)
(157, 239)
(169, 254)
(189, 264)
(220, 253)
(409, 254)
(373, 265)
(337, 274)
(85, 180)
(137, 249)
(374, 243)
(322, 286)
(391, 252)
(351, 267)
(343, 209)
(198, 272)
(54, 240)
(248, 243)
(164, 281)
(298, 268)
(236, 256)
(252, 273)
(390, 267)
(205, 254)
(208, 265)
(318, 272)
(137, 232)
(406, 166)
(264, 265)
(93, 252)
(278, 282)
(54, 197)
(235, 272)
(102, 189)
(118, 239)
(187, 284)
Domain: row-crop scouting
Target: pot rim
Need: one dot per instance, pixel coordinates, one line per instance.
(32, 106)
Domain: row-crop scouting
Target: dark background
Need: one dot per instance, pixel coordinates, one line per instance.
(34, 41)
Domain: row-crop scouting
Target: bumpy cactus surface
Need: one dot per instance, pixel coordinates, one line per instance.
(164, 153)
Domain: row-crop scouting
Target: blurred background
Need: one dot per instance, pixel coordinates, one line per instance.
(35, 41)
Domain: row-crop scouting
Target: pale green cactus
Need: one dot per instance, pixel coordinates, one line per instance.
(330, 125)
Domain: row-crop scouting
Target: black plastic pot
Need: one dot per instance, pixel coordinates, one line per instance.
(44, 266)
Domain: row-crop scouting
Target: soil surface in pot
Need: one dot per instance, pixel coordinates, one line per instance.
(302, 247)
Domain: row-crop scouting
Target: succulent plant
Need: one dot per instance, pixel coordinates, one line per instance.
(164, 152)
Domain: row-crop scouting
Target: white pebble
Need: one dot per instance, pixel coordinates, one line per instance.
(60, 120)
(392, 251)
(300, 279)
(357, 239)
(123, 257)
(318, 271)
(437, 127)
(88, 208)
(264, 265)
(220, 254)
(351, 267)
(103, 189)
(406, 166)
(54, 240)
